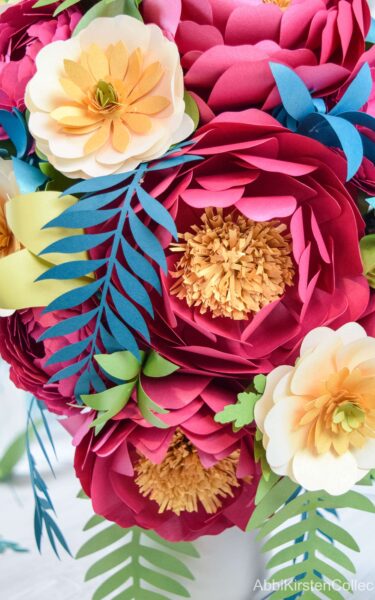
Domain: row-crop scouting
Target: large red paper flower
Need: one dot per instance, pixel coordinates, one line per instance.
(226, 46)
(24, 30)
(28, 357)
(194, 478)
(268, 248)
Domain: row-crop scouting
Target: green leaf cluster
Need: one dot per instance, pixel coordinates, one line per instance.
(301, 548)
(135, 557)
(103, 8)
(125, 367)
(242, 413)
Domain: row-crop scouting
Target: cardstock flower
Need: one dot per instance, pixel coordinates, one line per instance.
(194, 478)
(28, 355)
(268, 248)
(226, 46)
(23, 32)
(318, 418)
(108, 99)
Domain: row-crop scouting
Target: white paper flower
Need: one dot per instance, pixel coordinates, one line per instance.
(318, 418)
(8, 189)
(108, 99)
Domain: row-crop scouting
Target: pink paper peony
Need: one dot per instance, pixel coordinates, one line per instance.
(24, 30)
(28, 357)
(194, 478)
(268, 248)
(226, 46)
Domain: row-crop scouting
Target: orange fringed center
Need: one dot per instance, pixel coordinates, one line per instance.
(180, 482)
(110, 96)
(283, 4)
(232, 266)
(344, 416)
(8, 243)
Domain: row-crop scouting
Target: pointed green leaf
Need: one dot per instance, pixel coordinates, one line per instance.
(166, 561)
(334, 531)
(93, 522)
(333, 553)
(122, 365)
(112, 583)
(101, 540)
(148, 407)
(108, 562)
(291, 552)
(163, 582)
(279, 494)
(157, 366)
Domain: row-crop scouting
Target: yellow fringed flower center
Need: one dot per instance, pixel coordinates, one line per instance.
(180, 482)
(283, 4)
(8, 243)
(110, 96)
(342, 417)
(232, 266)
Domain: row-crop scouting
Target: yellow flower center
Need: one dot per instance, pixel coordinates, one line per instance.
(343, 416)
(180, 482)
(110, 96)
(8, 243)
(232, 266)
(283, 4)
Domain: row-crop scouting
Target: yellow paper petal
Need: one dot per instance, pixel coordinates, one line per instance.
(78, 75)
(72, 90)
(150, 78)
(74, 116)
(18, 288)
(120, 136)
(98, 62)
(99, 138)
(118, 60)
(150, 106)
(134, 70)
(138, 123)
(28, 213)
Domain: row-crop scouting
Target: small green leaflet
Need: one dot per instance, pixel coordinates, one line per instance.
(242, 413)
(125, 367)
(151, 557)
(301, 548)
(367, 246)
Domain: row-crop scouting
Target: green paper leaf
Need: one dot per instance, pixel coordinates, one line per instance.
(122, 365)
(12, 456)
(137, 563)
(157, 366)
(367, 246)
(148, 407)
(109, 403)
(191, 109)
(259, 383)
(108, 8)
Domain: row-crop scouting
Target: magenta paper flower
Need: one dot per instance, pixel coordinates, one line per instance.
(24, 30)
(226, 46)
(194, 478)
(28, 357)
(268, 248)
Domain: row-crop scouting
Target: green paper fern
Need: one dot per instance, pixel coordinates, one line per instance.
(140, 565)
(302, 539)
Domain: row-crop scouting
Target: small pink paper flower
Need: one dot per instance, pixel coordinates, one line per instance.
(24, 30)
(226, 46)
(193, 478)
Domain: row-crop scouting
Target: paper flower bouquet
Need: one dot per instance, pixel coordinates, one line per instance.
(187, 269)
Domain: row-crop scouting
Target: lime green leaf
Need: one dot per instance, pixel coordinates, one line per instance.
(259, 382)
(278, 495)
(93, 522)
(265, 485)
(157, 366)
(191, 109)
(241, 413)
(109, 403)
(148, 407)
(108, 8)
(101, 540)
(143, 564)
(12, 456)
(367, 246)
(64, 6)
(122, 365)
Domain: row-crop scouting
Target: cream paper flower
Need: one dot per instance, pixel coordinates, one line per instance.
(108, 99)
(318, 418)
(8, 189)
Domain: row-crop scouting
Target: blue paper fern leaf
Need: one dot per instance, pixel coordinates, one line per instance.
(119, 290)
